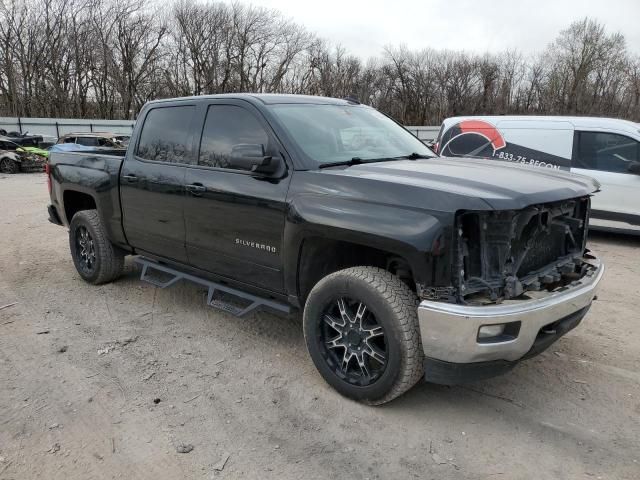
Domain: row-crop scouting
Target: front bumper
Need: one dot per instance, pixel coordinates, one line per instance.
(450, 331)
(32, 163)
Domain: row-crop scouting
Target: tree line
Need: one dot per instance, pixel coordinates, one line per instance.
(106, 58)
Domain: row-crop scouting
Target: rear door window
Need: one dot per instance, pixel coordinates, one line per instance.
(166, 135)
(607, 152)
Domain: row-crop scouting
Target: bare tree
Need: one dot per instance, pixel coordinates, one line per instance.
(105, 58)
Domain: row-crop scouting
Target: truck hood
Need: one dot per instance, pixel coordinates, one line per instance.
(501, 185)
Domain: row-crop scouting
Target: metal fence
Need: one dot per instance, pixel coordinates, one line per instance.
(425, 132)
(57, 127)
(60, 126)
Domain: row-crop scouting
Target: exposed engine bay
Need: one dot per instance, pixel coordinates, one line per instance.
(501, 255)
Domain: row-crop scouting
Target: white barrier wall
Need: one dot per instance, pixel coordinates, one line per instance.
(425, 132)
(59, 126)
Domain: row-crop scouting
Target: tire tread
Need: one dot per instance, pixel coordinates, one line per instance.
(111, 259)
(404, 304)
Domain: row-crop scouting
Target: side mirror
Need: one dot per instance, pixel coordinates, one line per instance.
(634, 167)
(251, 157)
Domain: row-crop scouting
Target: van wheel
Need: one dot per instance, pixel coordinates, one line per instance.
(95, 258)
(361, 330)
(8, 166)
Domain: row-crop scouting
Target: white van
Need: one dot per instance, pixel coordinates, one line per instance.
(603, 148)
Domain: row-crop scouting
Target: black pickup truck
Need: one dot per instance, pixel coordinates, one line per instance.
(404, 264)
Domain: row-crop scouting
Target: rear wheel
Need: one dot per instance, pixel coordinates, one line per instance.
(8, 166)
(361, 330)
(95, 258)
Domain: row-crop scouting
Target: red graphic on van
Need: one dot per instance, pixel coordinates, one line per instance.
(484, 129)
(471, 132)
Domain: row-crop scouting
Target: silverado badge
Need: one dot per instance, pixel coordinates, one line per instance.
(258, 245)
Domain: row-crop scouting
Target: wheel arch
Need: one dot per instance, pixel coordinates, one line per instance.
(372, 234)
(10, 155)
(75, 200)
(320, 256)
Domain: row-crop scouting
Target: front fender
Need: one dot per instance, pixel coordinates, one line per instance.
(405, 232)
(11, 155)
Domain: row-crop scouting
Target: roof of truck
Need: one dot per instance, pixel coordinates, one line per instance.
(267, 98)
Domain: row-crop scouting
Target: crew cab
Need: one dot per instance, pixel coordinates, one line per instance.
(403, 264)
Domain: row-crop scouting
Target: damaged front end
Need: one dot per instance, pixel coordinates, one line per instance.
(31, 162)
(500, 255)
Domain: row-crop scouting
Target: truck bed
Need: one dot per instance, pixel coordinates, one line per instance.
(94, 173)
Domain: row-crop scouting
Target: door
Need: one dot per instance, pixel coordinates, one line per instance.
(235, 219)
(612, 159)
(152, 182)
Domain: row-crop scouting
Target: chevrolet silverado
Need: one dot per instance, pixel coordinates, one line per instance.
(403, 264)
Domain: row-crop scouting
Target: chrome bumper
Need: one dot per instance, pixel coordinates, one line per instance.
(450, 331)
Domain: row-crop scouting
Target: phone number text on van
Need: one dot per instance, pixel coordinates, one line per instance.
(524, 160)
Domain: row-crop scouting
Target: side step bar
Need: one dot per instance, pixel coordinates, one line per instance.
(171, 276)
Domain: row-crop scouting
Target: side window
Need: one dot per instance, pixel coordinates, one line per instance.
(225, 128)
(70, 140)
(608, 152)
(87, 141)
(165, 135)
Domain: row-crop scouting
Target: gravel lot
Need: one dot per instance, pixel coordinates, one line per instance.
(113, 381)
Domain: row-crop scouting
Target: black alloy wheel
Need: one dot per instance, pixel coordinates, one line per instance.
(352, 342)
(86, 250)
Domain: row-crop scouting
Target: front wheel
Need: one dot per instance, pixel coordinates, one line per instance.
(361, 330)
(8, 166)
(95, 258)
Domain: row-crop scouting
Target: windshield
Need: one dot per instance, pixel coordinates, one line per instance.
(339, 133)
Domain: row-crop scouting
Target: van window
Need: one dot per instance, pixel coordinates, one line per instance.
(166, 134)
(607, 152)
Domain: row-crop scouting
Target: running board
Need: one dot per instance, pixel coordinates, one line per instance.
(172, 276)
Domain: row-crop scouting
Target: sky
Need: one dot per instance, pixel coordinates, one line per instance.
(366, 27)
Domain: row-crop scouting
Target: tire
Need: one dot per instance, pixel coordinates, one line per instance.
(9, 166)
(393, 358)
(95, 258)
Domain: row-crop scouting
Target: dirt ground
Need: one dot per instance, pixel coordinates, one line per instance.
(112, 381)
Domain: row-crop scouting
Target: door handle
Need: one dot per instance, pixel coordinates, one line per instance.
(196, 189)
(130, 178)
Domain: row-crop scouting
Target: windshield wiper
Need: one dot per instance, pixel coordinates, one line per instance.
(358, 160)
(413, 156)
(354, 161)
